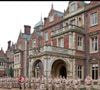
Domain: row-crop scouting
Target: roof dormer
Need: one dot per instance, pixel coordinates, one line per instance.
(74, 7)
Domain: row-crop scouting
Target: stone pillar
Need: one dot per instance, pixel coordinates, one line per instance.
(47, 66)
(44, 61)
(25, 60)
(72, 68)
(30, 69)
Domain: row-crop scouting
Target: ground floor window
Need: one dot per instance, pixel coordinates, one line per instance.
(79, 71)
(95, 71)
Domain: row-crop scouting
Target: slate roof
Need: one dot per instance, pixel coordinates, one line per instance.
(59, 13)
(26, 37)
(38, 24)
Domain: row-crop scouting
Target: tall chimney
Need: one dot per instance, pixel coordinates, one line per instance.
(45, 19)
(27, 29)
(9, 44)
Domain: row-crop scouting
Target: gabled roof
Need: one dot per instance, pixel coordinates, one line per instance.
(81, 4)
(53, 11)
(2, 54)
(59, 13)
(25, 36)
(40, 23)
(3, 57)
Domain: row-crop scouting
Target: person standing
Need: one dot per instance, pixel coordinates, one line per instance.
(21, 82)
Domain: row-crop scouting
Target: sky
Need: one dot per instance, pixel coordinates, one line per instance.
(15, 14)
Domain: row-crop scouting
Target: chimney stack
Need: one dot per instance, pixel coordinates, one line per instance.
(27, 29)
(9, 44)
(45, 19)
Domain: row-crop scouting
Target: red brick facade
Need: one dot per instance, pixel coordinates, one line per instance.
(92, 31)
(58, 31)
(50, 26)
(21, 50)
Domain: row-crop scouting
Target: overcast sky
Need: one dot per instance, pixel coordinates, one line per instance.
(15, 14)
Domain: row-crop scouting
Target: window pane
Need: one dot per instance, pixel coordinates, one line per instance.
(95, 71)
(96, 74)
(94, 19)
(94, 43)
(92, 74)
(46, 36)
(79, 71)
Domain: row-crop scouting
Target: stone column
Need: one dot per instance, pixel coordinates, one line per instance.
(44, 61)
(71, 69)
(30, 69)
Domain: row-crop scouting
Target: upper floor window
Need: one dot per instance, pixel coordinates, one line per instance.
(51, 18)
(80, 42)
(94, 44)
(73, 7)
(94, 19)
(61, 42)
(17, 59)
(46, 36)
(34, 43)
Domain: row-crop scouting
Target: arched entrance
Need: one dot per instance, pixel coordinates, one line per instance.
(62, 71)
(37, 68)
(59, 68)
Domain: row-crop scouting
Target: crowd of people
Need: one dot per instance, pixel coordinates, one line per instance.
(42, 83)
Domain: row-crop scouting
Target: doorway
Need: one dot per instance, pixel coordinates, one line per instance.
(62, 71)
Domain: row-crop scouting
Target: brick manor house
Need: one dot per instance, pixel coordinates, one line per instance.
(63, 44)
